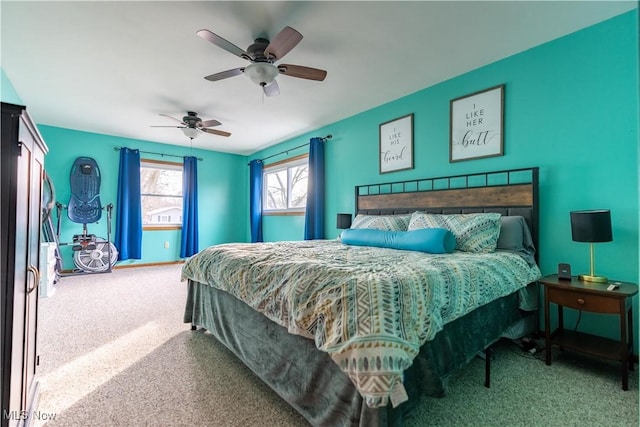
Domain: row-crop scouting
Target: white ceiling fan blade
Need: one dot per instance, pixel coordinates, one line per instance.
(173, 118)
(222, 43)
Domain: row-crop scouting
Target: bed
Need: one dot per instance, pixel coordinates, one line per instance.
(348, 339)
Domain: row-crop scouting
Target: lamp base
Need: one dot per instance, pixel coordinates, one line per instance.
(596, 279)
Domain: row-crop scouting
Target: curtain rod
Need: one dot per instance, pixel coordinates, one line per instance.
(159, 154)
(294, 148)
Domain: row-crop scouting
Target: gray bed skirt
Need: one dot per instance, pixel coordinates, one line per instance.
(313, 384)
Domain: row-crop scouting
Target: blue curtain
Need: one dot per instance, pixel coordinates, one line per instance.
(314, 215)
(255, 200)
(189, 245)
(128, 235)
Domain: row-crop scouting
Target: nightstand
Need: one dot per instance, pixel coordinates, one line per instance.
(594, 298)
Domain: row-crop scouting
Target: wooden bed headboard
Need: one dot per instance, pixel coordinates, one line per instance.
(508, 192)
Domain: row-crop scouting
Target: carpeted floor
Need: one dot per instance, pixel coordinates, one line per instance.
(114, 351)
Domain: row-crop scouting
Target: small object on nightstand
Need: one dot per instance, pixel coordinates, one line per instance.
(564, 271)
(613, 286)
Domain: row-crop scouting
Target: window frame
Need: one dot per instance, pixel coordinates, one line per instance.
(168, 166)
(281, 165)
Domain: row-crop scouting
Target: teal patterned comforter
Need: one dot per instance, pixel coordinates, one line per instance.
(369, 308)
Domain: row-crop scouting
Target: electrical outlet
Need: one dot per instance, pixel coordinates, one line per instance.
(166, 245)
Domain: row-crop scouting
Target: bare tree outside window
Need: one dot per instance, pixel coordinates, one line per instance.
(298, 197)
(161, 191)
(276, 183)
(285, 186)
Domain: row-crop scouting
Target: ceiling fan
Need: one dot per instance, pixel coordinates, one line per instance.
(263, 54)
(193, 126)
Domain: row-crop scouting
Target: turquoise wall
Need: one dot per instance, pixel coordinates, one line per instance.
(571, 108)
(222, 208)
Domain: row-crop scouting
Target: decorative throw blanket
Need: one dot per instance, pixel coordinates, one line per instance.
(370, 308)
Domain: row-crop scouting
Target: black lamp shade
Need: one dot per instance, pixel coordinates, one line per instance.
(343, 221)
(591, 226)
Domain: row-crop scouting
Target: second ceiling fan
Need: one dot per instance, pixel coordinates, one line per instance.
(263, 54)
(192, 125)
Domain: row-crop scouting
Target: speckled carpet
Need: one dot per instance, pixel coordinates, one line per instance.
(114, 351)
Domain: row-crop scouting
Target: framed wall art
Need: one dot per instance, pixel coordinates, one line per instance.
(477, 125)
(396, 144)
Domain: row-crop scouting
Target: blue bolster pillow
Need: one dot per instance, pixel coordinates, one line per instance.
(430, 240)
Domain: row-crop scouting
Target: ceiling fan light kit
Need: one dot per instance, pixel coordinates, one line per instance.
(190, 133)
(261, 73)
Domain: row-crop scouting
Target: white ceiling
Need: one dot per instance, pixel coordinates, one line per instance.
(112, 67)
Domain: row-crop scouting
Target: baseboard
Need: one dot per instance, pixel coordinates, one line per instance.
(146, 264)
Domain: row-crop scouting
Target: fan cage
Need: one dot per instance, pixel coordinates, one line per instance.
(96, 260)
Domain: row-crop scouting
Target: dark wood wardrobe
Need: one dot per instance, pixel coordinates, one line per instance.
(22, 152)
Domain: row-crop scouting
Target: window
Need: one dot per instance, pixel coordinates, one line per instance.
(285, 186)
(161, 191)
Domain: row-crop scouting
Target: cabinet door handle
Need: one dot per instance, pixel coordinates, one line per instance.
(36, 277)
(580, 301)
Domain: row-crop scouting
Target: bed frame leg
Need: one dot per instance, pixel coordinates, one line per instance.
(194, 327)
(487, 367)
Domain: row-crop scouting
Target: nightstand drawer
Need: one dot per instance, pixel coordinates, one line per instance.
(584, 301)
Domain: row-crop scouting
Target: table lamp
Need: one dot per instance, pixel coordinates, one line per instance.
(591, 226)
